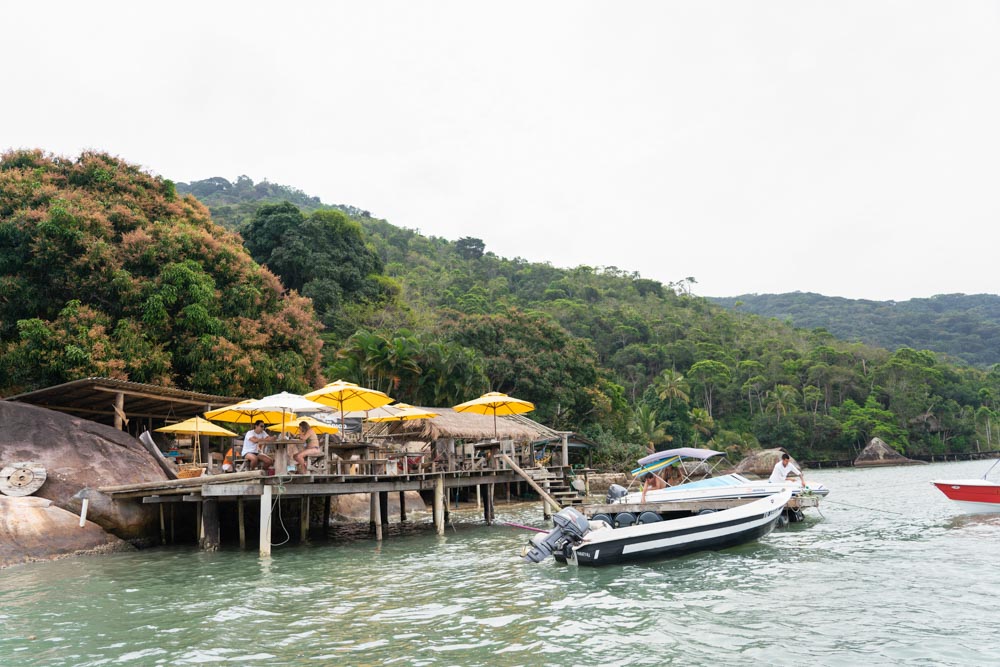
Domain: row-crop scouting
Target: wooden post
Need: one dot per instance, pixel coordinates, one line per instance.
(376, 514)
(119, 410)
(265, 521)
(565, 449)
(210, 521)
(508, 493)
(488, 505)
(163, 526)
(383, 503)
(546, 511)
(243, 528)
(439, 504)
(304, 519)
(479, 498)
(173, 536)
(402, 506)
(83, 512)
(326, 514)
(199, 520)
(532, 483)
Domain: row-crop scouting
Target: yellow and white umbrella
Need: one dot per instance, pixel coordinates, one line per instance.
(236, 414)
(197, 427)
(347, 397)
(494, 403)
(318, 426)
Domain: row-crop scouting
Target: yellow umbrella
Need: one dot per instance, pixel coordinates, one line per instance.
(348, 396)
(235, 414)
(196, 426)
(316, 424)
(494, 403)
(402, 412)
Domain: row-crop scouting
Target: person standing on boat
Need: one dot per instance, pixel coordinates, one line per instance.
(784, 468)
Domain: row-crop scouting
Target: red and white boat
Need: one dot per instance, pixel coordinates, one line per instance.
(976, 496)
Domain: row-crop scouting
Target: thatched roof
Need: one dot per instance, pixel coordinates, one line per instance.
(877, 453)
(461, 426)
(761, 462)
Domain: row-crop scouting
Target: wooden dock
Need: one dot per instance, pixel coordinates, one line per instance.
(208, 491)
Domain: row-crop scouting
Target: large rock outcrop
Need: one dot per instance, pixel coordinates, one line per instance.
(78, 453)
(32, 528)
(357, 506)
(877, 453)
(761, 463)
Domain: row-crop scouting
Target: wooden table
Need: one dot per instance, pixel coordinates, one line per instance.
(281, 453)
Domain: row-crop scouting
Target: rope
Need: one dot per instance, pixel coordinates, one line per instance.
(862, 507)
(521, 525)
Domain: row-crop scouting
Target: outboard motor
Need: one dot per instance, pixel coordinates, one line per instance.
(616, 491)
(571, 526)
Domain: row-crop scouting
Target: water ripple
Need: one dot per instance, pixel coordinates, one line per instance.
(859, 584)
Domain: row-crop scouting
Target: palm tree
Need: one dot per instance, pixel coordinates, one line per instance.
(702, 423)
(782, 399)
(670, 385)
(648, 428)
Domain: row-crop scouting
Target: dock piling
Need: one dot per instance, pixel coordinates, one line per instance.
(265, 521)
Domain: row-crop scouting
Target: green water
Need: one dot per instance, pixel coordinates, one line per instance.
(855, 585)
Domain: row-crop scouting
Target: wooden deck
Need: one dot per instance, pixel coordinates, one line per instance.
(264, 491)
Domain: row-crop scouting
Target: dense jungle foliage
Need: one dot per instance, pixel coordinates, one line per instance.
(105, 271)
(962, 326)
(627, 361)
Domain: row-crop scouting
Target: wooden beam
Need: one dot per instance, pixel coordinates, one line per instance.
(532, 483)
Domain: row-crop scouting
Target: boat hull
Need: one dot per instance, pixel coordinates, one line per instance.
(726, 487)
(974, 496)
(668, 539)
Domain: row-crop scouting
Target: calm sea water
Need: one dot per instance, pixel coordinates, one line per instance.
(889, 574)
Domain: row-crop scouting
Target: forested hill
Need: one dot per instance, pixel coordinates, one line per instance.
(105, 270)
(233, 204)
(962, 326)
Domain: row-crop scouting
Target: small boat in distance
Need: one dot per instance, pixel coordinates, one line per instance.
(975, 496)
(577, 541)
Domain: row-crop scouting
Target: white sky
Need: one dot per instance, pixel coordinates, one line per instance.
(850, 148)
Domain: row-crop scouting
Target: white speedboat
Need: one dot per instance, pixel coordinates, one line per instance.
(723, 487)
(577, 541)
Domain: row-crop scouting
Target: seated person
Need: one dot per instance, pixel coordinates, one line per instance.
(253, 447)
(651, 482)
(229, 459)
(310, 447)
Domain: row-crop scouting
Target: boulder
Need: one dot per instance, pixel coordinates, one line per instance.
(32, 528)
(357, 506)
(877, 453)
(761, 462)
(77, 454)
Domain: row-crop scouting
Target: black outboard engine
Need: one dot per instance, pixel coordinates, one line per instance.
(571, 526)
(616, 491)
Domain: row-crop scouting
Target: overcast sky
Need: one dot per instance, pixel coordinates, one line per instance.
(846, 148)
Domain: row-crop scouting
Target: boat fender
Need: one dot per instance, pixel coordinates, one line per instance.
(704, 512)
(649, 517)
(624, 519)
(603, 517)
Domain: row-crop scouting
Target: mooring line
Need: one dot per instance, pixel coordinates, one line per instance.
(862, 507)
